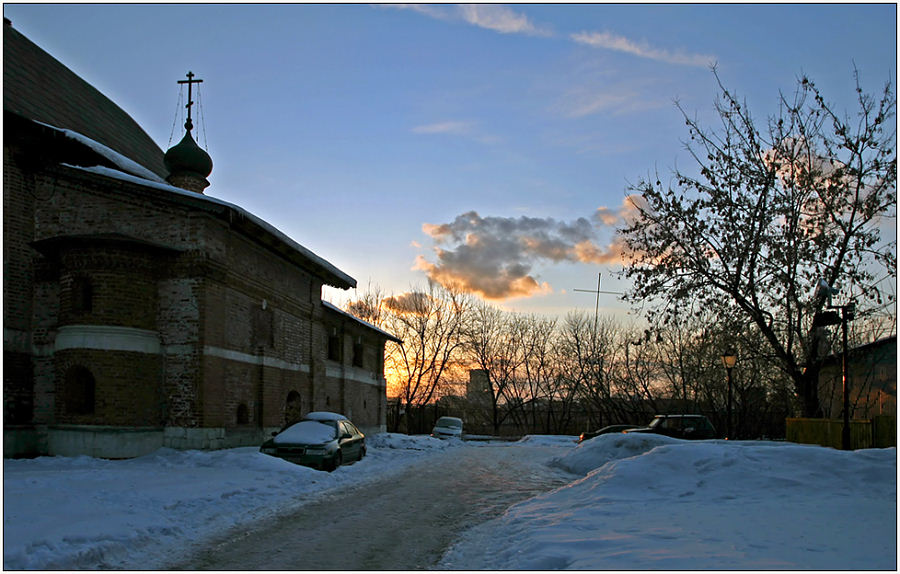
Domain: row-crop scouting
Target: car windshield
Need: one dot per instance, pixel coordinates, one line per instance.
(307, 432)
(450, 423)
(656, 422)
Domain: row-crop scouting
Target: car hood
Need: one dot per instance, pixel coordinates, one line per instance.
(306, 432)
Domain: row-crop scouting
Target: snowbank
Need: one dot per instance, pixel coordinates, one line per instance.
(650, 502)
(87, 513)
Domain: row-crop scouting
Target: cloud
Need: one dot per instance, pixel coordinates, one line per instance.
(499, 19)
(468, 130)
(582, 101)
(413, 302)
(450, 127)
(608, 41)
(495, 17)
(495, 256)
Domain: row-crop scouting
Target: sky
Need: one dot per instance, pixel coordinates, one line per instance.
(492, 144)
(720, 505)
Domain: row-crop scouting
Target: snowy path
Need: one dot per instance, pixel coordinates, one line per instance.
(427, 507)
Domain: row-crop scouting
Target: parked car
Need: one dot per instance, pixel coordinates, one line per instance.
(605, 430)
(447, 427)
(695, 427)
(322, 440)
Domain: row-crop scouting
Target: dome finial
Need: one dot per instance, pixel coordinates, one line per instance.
(189, 125)
(187, 163)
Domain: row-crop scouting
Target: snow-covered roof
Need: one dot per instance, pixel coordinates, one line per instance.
(340, 279)
(120, 161)
(133, 172)
(337, 309)
(38, 87)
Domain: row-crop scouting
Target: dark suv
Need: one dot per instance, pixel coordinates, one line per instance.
(696, 427)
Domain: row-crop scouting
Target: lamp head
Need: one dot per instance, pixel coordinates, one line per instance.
(729, 359)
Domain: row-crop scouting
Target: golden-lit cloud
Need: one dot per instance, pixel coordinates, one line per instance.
(410, 302)
(495, 256)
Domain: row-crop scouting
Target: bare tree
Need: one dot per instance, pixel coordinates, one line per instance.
(492, 344)
(769, 213)
(430, 323)
(640, 359)
(539, 370)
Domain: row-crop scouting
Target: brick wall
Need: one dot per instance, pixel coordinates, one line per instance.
(238, 328)
(127, 388)
(18, 273)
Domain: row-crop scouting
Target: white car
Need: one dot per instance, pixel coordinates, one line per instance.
(447, 427)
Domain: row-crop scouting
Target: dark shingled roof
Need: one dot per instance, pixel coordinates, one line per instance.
(38, 87)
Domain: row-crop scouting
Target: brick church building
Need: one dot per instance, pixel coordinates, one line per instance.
(138, 310)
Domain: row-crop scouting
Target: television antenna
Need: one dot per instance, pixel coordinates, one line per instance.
(598, 291)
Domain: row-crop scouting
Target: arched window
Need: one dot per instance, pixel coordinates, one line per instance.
(243, 414)
(79, 392)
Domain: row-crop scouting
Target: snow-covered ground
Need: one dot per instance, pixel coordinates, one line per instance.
(650, 502)
(645, 502)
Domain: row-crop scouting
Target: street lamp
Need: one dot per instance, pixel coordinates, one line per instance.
(728, 361)
(824, 319)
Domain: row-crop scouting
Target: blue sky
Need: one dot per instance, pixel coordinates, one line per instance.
(375, 134)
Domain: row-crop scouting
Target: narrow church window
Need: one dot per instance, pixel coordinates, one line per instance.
(80, 390)
(82, 295)
(243, 414)
(358, 355)
(334, 348)
(263, 327)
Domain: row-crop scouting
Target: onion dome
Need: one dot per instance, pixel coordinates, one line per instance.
(186, 157)
(188, 164)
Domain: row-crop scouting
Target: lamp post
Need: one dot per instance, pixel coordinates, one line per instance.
(728, 361)
(848, 313)
(831, 317)
(825, 318)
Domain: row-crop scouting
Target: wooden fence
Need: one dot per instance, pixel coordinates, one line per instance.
(878, 432)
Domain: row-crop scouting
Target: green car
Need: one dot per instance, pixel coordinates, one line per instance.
(321, 440)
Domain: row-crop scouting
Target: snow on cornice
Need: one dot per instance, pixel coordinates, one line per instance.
(123, 163)
(334, 307)
(161, 185)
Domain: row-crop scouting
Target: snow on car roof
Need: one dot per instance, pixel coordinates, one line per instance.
(324, 416)
(306, 432)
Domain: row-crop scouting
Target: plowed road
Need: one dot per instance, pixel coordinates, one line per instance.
(402, 523)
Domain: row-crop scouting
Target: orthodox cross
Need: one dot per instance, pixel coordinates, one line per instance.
(598, 292)
(189, 125)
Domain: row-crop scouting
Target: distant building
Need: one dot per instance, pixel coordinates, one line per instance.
(140, 312)
(872, 378)
(478, 387)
